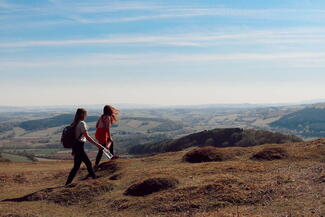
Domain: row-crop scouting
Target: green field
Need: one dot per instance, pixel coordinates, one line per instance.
(15, 158)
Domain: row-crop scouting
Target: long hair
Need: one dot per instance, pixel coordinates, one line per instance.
(80, 114)
(111, 112)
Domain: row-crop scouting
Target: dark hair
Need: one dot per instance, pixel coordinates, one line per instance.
(80, 113)
(111, 112)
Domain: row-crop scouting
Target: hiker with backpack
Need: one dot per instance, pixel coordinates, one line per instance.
(103, 133)
(75, 136)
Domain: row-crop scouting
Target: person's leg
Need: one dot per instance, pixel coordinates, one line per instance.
(111, 148)
(76, 166)
(98, 157)
(87, 162)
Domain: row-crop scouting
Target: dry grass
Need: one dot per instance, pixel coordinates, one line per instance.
(82, 192)
(271, 154)
(206, 154)
(4, 160)
(293, 186)
(150, 186)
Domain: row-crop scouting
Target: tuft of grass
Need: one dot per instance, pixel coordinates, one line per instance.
(68, 195)
(271, 154)
(206, 154)
(150, 186)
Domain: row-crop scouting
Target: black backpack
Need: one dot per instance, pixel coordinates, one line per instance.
(68, 138)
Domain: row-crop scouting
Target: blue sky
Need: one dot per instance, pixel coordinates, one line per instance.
(59, 52)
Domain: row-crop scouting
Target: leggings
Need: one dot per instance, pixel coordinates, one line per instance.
(79, 157)
(100, 154)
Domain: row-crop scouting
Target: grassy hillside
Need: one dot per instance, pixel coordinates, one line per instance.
(308, 122)
(217, 137)
(240, 184)
(15, 157)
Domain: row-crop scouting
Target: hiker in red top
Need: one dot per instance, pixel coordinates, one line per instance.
(103, 133)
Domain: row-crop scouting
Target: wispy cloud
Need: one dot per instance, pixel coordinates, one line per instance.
(167, 13)
(276, 36)
(6, 5)
(291, 59)
(75, 12)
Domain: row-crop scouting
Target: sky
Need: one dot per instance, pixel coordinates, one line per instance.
(185, 52)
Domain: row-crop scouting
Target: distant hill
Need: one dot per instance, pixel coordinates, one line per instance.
(218, 137)
(55, 121)
(308, 122)
(163, 125)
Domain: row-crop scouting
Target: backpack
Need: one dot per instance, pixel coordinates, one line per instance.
(68, 138)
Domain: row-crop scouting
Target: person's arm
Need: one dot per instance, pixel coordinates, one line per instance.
(85, 133)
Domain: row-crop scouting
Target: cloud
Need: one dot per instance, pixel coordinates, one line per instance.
(8, 6)
(276, 36)
(291, 59)
(75, 12)
(167, 13)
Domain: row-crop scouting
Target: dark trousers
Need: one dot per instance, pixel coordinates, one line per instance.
(79, 157)
(100, 153)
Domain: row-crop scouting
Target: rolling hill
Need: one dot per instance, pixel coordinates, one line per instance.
(308, 122)
(217, 137)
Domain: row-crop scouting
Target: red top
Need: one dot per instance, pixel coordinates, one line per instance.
(103, 134)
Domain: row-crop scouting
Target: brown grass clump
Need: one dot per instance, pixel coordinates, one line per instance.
(16, 215)
(3, 160)
(271, 154)
(109, 166)
(213, 195)
(150, 186)
(116, 176)
(205, 154)
(321, 179)
(69, 195)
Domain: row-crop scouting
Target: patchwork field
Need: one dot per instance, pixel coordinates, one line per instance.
(38, 133)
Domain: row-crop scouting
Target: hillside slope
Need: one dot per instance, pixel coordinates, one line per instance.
(166, 185)
(308, 122)
(217, 137)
